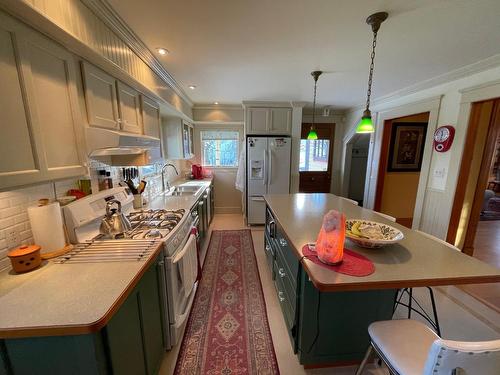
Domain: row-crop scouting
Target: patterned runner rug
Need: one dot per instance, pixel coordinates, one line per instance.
(227, 331)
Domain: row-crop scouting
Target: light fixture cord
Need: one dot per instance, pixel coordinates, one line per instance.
(314, 102)
(370, 75)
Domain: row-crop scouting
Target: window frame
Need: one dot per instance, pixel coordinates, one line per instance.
(220, 129)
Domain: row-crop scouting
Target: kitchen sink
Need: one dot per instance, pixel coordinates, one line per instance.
(183, 190)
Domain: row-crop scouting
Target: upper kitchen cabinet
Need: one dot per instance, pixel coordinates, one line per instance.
(110, 103)
(129, 106)
(41, 126)
(177, 139)
(274, 120)
(150, 117)
(100, 98)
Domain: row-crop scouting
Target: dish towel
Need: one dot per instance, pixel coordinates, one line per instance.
(240, 174)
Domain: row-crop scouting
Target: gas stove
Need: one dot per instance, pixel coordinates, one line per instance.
(152, 224)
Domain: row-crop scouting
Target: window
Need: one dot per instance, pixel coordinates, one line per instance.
(314, 155)
(219, 148)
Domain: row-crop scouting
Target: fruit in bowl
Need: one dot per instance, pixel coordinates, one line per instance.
(371, 234)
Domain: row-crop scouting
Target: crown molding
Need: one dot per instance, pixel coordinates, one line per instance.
(233, 107)
(104, 11)
(454, 75)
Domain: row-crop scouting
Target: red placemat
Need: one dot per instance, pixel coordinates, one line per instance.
(353, 264)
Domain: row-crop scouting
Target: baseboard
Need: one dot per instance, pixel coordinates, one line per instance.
(228, 210)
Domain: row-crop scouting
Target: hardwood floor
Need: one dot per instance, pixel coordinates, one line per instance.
(487, 249)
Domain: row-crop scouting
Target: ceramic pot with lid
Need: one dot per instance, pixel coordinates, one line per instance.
(25, 258)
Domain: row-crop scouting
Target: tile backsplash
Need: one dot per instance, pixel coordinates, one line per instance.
(14, 215)
(14, 203)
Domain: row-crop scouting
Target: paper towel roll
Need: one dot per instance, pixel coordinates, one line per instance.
(47, 227)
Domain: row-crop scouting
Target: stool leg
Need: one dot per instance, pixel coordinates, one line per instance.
(410, 300)
(362, 365)
(434, 311)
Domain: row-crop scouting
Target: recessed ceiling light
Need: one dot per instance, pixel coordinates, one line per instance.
(163, 51)
(216, 103)
(192, 87)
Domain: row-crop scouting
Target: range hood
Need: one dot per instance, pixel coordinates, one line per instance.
(115, 148)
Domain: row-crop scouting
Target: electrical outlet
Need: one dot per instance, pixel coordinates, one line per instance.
(12, 238)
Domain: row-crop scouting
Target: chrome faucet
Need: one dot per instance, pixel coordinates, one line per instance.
(167, 185)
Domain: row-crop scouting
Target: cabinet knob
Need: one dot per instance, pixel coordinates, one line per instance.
(281, 296)
(283, 242)
(281, 272)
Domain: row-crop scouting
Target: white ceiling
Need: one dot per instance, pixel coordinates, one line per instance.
(235, 50)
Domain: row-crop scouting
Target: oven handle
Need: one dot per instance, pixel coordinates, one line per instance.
(181, 253)
(160, 266)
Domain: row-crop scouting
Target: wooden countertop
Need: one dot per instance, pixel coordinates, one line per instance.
(415, 261)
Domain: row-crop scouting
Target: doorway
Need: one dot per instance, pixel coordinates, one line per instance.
(358, 154)
(401, 154)
(475, 218)
(316, 157)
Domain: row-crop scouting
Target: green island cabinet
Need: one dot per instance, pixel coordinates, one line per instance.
(324, 327)
(131, 343)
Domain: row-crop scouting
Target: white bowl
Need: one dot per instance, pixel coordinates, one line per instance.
(390, 234)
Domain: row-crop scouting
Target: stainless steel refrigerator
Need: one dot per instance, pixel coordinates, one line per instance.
(268, 172)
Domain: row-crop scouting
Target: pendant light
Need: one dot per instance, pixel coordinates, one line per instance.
(366, 124)
(312, 131)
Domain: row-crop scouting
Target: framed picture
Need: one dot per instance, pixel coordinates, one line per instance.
(407, 146)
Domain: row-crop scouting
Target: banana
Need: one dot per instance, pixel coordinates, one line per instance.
(355, 229)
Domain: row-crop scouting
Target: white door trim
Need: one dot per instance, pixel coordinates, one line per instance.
(430, 105)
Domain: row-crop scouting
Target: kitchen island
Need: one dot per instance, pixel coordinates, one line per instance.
(327, 313)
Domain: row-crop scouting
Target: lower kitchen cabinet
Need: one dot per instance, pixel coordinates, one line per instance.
(324, 328)
(131, 343)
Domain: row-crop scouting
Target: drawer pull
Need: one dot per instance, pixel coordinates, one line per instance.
(280, 296)
(281, 272)
(283, 242)
(268, 248)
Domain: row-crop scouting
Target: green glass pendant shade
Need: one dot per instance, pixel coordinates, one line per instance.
(312, 135)
(365, 125)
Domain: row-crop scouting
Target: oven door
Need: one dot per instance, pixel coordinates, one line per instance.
(182, 271)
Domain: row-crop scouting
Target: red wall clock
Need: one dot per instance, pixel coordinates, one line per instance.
(443, 138)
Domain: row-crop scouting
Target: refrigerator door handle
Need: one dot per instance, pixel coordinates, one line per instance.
(270, 166)
(264, 180)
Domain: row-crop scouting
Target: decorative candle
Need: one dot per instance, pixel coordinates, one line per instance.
(330, 242)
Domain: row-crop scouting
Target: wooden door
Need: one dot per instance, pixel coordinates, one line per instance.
(129, 108)
(280, 121)
(50, 79)
(100, 98)
(316, 157)
(150, 117)
(469, 174)
(19, 162)
(258, 119)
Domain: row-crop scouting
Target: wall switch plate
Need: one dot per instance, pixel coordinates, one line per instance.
(12, 238)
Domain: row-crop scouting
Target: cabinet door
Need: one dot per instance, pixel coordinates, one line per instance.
(152, 316)
(100, 97)
(185, 141)
(124, 336)
(50, 79)
(258, 119)
(150, 117)
(18, 162)
(281, 120)
(129, 108)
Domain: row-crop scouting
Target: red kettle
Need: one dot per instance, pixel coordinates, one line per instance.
(197, 171)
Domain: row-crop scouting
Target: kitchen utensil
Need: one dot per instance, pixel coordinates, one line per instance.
(371, 234)
(131, 186)
(25, 258)
(142, 186)
(57, 253)
(115, 222)
(47, 227)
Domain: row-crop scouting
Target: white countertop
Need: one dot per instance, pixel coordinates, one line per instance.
(65, 299)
